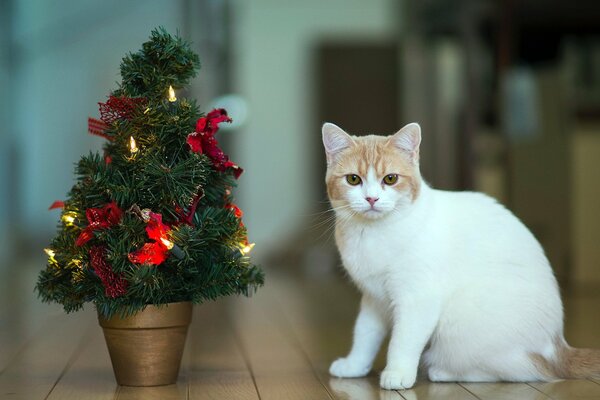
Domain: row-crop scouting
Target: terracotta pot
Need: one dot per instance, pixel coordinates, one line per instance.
(146, 348)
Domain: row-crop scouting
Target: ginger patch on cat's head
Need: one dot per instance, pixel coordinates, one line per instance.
(372, 175)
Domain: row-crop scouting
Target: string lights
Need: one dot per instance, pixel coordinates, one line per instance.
(247, 248)
(132, 145)
(51, 253)
(168, 244)
(68, 219)
(172, 97)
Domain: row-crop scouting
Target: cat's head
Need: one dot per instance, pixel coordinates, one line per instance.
(372, 176)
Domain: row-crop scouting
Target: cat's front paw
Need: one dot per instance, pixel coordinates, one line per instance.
(348, 368)
(397, 379)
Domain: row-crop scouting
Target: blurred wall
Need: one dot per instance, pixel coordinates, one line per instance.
(274, 47)
(5, 67)
(65, 59)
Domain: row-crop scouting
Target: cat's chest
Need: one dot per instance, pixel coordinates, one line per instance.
(368, 257)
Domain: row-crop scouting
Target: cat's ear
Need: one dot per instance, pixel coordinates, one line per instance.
(408, 139)
(335, 140)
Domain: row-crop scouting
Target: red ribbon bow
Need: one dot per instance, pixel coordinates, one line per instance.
(203, 141)
(99, 218)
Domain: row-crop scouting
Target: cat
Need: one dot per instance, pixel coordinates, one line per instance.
(462, 284)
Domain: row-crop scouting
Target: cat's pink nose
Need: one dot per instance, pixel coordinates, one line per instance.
(372, 200)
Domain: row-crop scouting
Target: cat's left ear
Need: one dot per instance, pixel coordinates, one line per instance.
(408, 139)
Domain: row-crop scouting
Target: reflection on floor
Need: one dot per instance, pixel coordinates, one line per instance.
(276, 345)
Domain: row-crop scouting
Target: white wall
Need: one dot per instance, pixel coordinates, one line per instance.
(273, 44)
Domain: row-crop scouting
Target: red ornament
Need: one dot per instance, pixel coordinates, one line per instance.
(57, 204)
(114, 285)
(154, 253)
(99, 218)
(118, 108)
(236, 210)
(203, 141)
(151, 253)
(155, 229)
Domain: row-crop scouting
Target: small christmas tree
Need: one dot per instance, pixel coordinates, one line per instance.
(152, 219)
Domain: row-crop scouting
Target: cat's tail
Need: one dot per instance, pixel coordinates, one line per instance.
(570, 362)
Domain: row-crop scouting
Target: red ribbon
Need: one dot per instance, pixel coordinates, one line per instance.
(99, 218)
(188, 217)
(115, 108)
(119, 108)
(114, 285)
(97, 127)
(57, 204)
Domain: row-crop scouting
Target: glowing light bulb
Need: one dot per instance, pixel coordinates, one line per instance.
(68, 219)
(50, 254)
(168, 244)
(132, 145)
(172, 97)
(247, 248)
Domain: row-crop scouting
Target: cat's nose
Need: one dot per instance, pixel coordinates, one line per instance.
(371, 200)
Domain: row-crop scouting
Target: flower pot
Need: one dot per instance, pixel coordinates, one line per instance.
(146, 348)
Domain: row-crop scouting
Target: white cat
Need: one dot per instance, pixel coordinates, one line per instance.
(463, 285)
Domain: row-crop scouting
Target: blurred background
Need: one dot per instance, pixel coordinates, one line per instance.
(507, 93)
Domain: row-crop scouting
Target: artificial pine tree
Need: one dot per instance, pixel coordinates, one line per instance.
(152, 219)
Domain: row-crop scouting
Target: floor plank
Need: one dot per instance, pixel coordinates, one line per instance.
(217, 367)
(502, 391)
(424, 390)
(90, 376)
(21, 314)
(177, 391)
(288, 304)
(569, 389)
(33, 372)
(280, 369)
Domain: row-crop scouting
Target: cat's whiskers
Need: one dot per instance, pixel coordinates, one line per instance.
(337, 219)
(328, 218)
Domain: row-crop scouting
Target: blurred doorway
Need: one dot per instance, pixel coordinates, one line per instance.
(357, 88)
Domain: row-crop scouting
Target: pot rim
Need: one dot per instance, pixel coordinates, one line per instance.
(152, 317)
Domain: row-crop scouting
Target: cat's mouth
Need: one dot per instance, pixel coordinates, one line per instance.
(372, 213)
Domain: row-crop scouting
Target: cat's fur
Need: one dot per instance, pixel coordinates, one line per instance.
(465, 288)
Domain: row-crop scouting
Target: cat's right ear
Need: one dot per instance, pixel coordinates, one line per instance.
(335, 140)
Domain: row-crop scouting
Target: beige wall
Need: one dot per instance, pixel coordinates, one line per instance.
(586, 205)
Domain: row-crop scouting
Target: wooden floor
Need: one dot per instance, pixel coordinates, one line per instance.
(276, 345)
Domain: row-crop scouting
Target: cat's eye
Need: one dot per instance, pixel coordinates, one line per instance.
(390, 179)
(353, 179)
